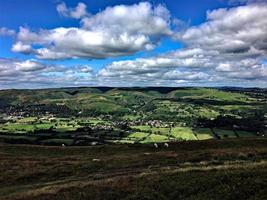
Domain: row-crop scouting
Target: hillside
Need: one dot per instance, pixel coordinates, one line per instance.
(221, 170)
(130, 115)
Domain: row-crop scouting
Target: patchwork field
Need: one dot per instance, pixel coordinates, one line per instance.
(80, 116)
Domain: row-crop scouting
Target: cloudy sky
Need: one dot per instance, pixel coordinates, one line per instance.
(57, 43)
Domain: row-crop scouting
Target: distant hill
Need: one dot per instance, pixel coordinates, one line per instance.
(161, 103)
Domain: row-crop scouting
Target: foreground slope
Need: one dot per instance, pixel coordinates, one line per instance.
(225, 169)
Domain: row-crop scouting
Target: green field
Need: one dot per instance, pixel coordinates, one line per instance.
(184, 133)
(203, 133)
(225, 133)
(134, 115)
(152, 138)
(30, 124)
(138, 135)
(245, 134)
(162, 134)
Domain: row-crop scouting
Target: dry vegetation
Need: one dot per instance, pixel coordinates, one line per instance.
(215, 169)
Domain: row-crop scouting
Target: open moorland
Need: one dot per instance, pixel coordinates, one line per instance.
(90, 116)
(227, 169)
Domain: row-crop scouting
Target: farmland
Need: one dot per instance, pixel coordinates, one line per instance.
(130, 115)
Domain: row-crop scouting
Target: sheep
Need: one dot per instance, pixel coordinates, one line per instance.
(166, 145)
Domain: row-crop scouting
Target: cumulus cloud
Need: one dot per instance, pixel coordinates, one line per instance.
(14, 65)
(139, 18)
(176, 67)
(185, 75)
(78, 12)
(240, 30)
(22, 48)
(116, 31)
(187, 65)
(191, 58)
(230, 47)
(29, 65)
(32, 73)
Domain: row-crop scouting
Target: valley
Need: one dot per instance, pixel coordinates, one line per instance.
(86, 116)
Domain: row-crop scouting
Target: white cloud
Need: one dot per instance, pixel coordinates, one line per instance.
(86, 69)
(185, 75)
(32, 73)
(224, 67)
(7, 32)
(230, 47)
(116, 31)
(193, 65)
(22, 48)
(237, 30)
(78, 12)
(29, 65)
(139, 18)
(13, 65)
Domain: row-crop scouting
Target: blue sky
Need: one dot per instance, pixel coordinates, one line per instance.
(168, 43)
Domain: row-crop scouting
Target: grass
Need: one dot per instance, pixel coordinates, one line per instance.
(105, 107)
(123, 141)
(97, 121)
(212, 94)
(141, 134)
(30, 124)
(203, 133)
(210, 169)
(163, 134)
(178, 133)
(16, 138)
(142, 127)
(152, 138)
(58, 141)
(27, 120)
(219, 185)
(18, 127)
(225, 133)
(207, 113)
(184, 133)
(130, 117)
(66, 128)
(245, 134)
(138, 135)
(44, 126)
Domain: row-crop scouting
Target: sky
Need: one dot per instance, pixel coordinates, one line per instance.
(125, 43)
